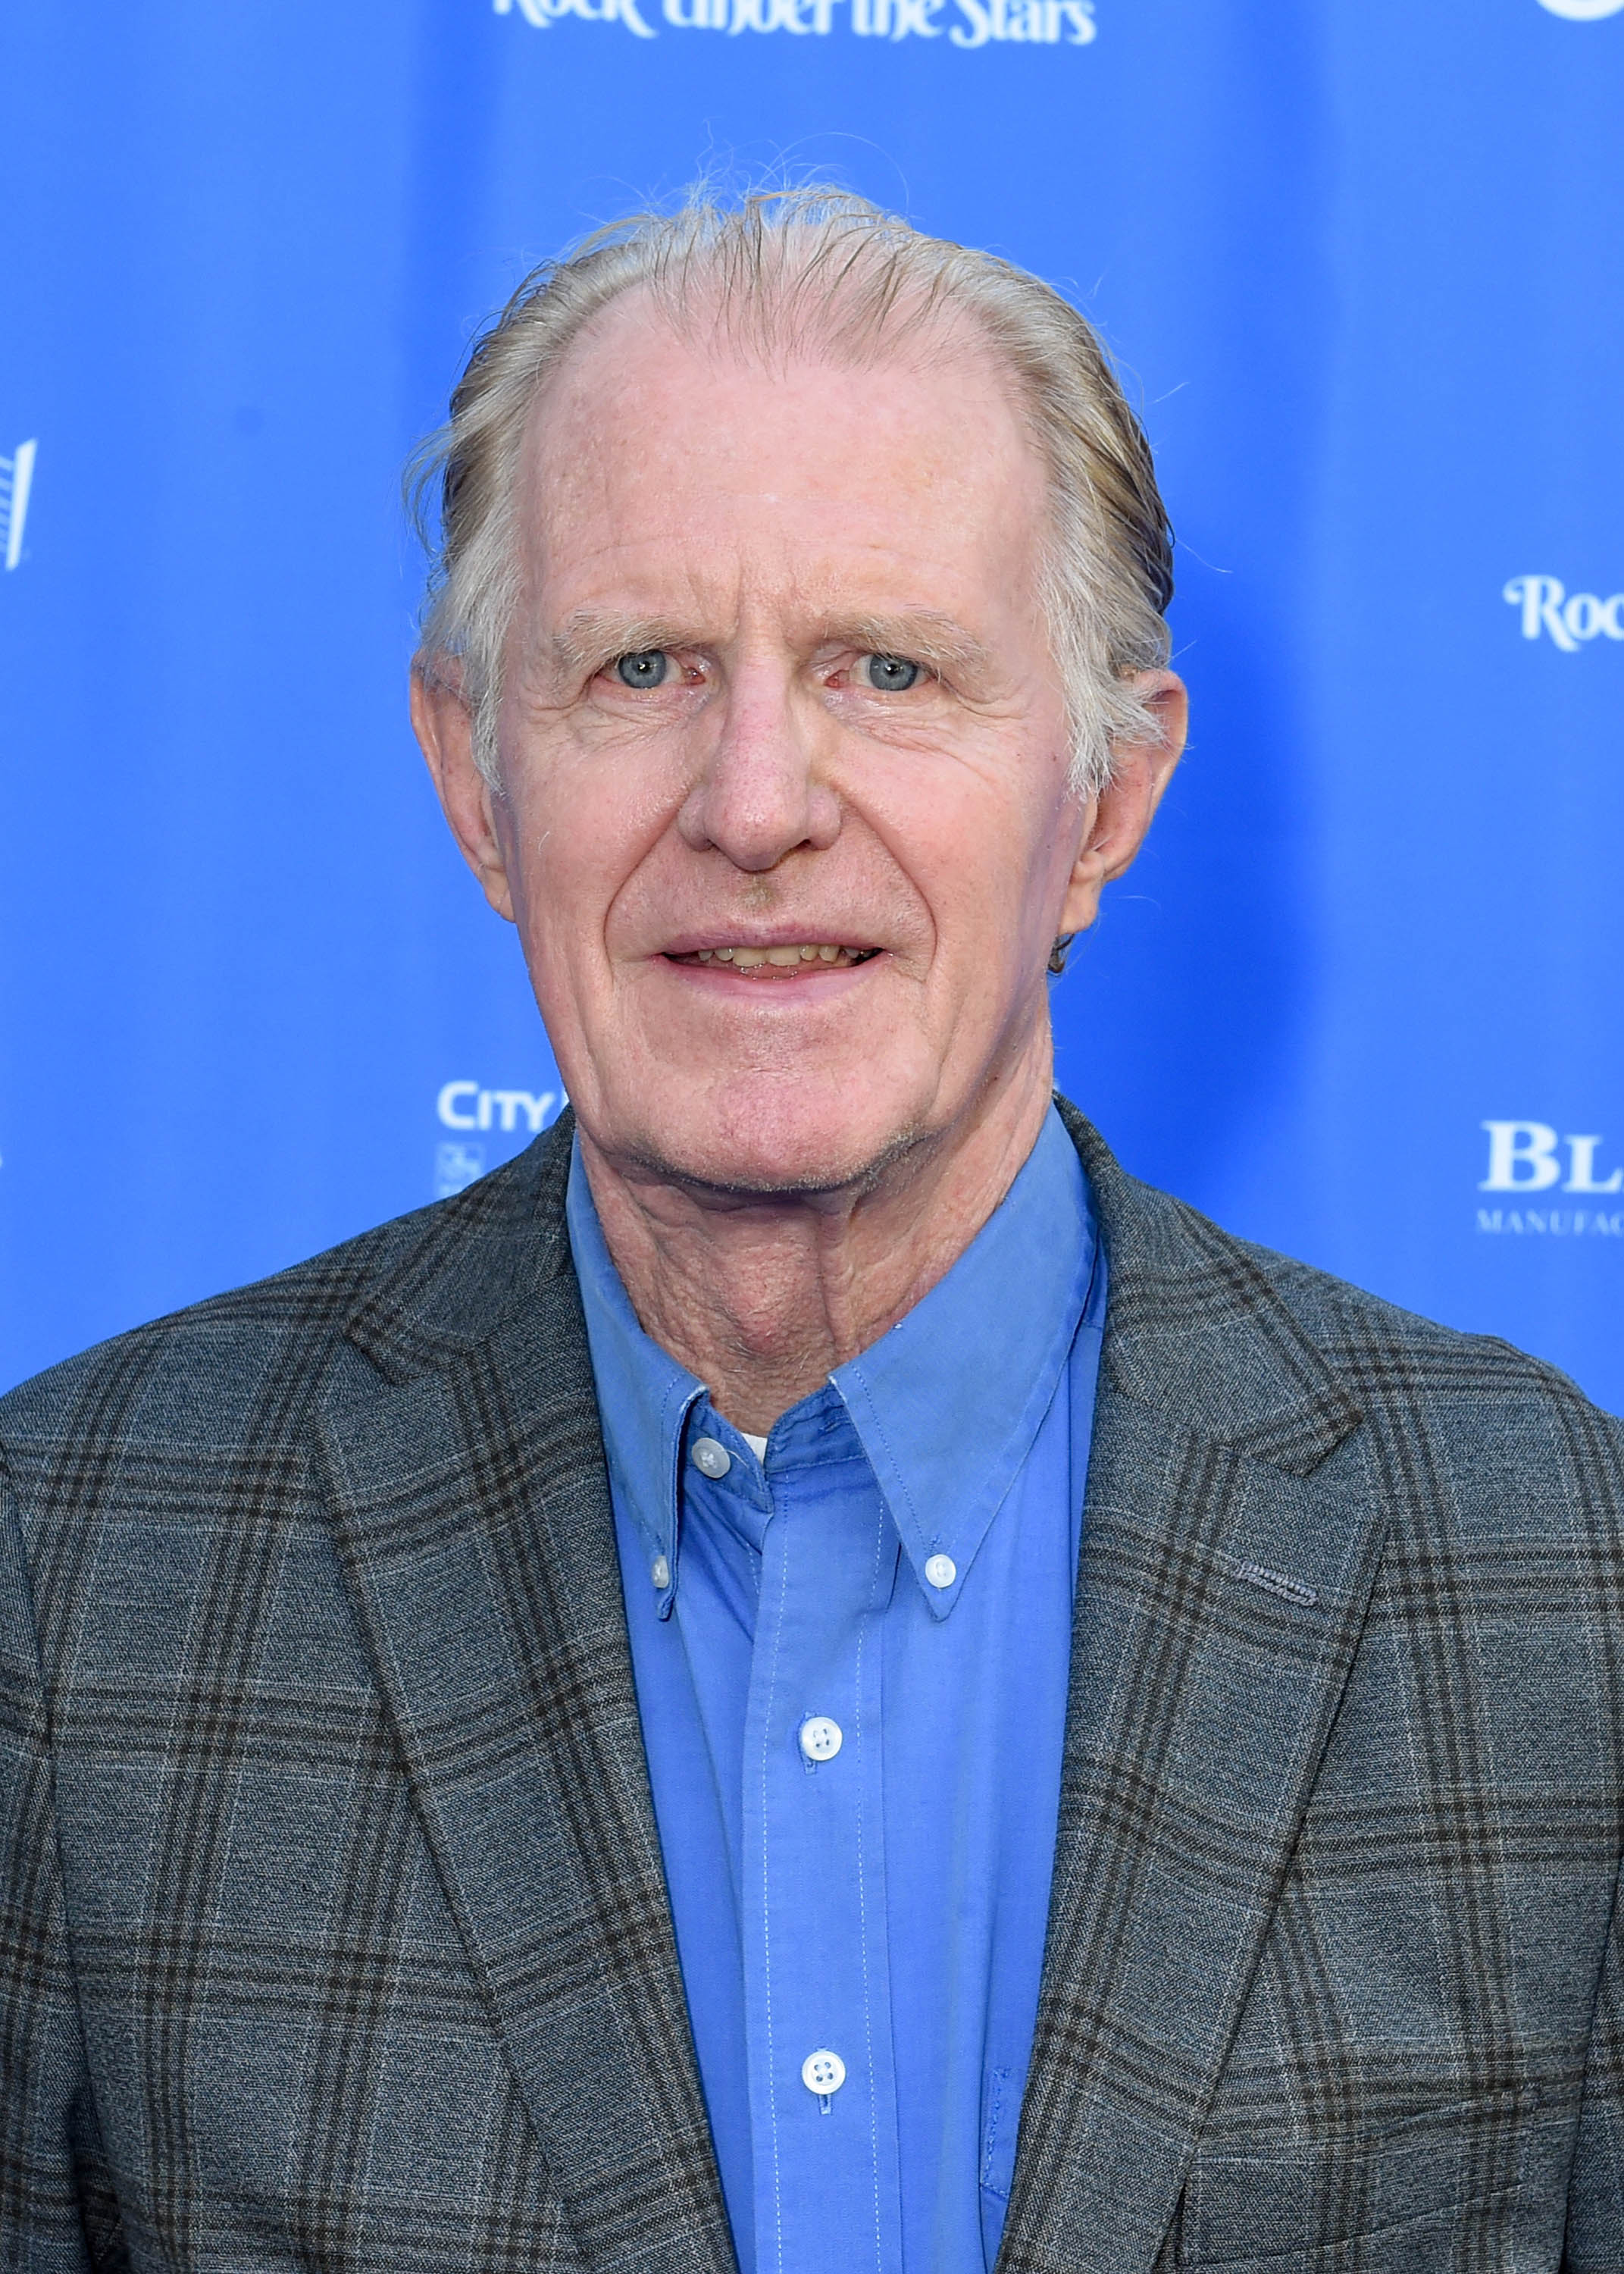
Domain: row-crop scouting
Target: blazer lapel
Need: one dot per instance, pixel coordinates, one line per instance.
(473, 1521)
(1229, 1543)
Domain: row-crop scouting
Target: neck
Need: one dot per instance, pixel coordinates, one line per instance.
(762, 1295)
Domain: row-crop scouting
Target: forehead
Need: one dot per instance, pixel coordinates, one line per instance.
(653, 456)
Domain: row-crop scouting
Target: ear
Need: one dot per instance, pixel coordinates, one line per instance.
(1126, 808)
(445, 730)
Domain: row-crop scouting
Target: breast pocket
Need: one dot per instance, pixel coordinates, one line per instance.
(1400, 2201)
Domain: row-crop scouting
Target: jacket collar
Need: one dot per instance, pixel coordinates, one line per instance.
(1198, 1328)
(474, 1262)
(1229, 1543)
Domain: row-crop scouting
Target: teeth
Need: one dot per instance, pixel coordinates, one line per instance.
(781, 958)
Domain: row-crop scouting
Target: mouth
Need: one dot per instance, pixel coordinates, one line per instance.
(792, 959)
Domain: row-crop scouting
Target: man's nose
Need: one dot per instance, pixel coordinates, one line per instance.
(761, 795)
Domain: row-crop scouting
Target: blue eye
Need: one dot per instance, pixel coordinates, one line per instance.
(890, 674)
(647, 668)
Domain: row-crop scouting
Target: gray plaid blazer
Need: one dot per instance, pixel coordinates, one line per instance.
(332, 1932)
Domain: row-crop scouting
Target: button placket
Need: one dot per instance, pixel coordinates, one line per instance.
(814, 1918)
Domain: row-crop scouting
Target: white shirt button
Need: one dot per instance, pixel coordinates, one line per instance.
(823, 2073)
(941, 1570)
(659, 1571)
(710, 1458)
(821, 1739)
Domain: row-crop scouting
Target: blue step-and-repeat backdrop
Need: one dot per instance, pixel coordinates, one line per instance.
(1363, 996)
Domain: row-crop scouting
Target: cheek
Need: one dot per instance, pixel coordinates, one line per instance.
(990, 868)
(578, 830)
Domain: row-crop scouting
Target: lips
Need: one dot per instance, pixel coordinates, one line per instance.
(779, 962)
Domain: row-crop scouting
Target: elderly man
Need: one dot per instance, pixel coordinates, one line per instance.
(808, 1674)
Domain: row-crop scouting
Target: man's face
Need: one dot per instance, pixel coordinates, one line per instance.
(786, 826)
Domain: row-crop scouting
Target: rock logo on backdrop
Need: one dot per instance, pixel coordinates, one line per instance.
(1540, 1170)
(16, 481)
(1550, 611)
(968, 23)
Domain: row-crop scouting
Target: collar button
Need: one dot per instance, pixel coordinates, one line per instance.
(710, 1458)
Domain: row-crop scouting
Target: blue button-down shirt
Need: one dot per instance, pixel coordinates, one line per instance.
(851, 1655)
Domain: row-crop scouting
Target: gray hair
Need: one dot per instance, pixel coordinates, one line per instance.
(777, 270)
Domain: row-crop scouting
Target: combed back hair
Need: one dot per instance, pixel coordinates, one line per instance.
(767, 275)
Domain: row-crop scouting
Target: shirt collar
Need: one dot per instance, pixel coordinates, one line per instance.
(948, 1403)
(946, 1406)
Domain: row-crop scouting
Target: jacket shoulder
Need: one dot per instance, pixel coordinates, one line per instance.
(1487, 1422)
(1385, 1349)
(1287, 1361)
(1333, 1310)
(260, 1356)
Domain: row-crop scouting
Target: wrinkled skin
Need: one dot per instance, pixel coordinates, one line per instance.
(844, 731)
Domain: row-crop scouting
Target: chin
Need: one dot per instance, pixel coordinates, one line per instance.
(781, 1143)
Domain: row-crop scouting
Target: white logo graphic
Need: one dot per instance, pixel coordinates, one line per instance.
(1555, 1223)
(464, 1105)
(1526, 1157)
(972, 23)
(1569, 618)
(455, 1168)
(467, 1105)
(1582, 11)
(16, 481)
(1523, 1158)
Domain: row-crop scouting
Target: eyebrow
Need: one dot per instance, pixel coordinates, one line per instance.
(922, 636)
(591, 638)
